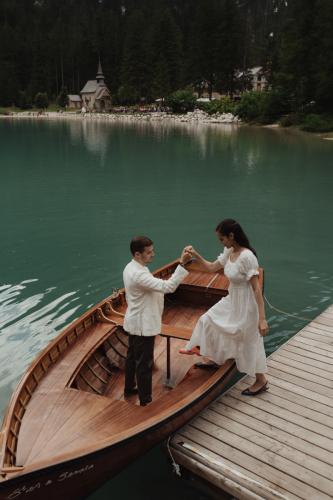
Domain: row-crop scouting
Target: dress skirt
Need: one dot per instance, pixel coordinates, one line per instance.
(229, 330)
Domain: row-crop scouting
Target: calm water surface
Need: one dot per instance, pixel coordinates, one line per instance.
(74, 193)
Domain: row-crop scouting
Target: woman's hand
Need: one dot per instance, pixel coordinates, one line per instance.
(263, 327)
(191, 250)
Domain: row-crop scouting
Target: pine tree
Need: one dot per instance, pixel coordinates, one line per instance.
(149, 97)
(229, 49)
(202, 59)
(25, 101)
(168, 53)
(63, 97)
(323, 41)
(161, 83)
(136, 56)
(41, 100)
(298, 51)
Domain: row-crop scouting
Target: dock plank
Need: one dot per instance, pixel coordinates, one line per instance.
(308, 356)
(233, 471)
(294, 458)
(240, 456)
(273, 426)
(299, 362)
(284, 436)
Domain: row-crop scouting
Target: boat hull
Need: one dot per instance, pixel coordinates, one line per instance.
(79, 477)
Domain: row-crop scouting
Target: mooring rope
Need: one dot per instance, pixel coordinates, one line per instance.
(282, 312)
(176, 467)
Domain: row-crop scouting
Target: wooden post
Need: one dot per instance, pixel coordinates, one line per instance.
(168, 358)
(168, 382)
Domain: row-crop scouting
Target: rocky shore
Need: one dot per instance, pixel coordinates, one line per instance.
(190, 117)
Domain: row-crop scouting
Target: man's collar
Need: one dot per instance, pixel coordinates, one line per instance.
(139, 266)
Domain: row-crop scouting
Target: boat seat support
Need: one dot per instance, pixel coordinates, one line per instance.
(108, 309)
(99, 317)
(168, 382)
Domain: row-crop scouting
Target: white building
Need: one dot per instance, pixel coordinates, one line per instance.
(257, 78)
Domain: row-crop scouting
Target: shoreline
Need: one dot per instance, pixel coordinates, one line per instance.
(197, 116)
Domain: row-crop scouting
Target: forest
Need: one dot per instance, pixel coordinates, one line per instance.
(159, 46)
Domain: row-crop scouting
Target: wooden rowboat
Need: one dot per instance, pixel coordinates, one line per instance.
(68, 427)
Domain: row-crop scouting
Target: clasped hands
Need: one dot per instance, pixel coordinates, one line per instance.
(186, 256)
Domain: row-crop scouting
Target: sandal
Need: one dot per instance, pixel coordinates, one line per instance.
(206, 366)
(247, 392)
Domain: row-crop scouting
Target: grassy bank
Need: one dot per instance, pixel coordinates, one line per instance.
(269, 107)
(310, 123)
(51, 108)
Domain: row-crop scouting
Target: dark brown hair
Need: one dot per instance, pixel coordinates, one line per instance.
(139, 243)
(228, 226)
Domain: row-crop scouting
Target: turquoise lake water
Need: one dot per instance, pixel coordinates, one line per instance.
(74, 193)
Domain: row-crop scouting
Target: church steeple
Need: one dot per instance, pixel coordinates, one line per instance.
(99, 76)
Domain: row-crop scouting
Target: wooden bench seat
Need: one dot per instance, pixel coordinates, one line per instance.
(167, 330)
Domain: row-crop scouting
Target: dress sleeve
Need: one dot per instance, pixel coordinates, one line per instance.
(223, 257)
(248, 264)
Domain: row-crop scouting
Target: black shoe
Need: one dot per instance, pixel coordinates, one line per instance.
(205, 366)
(130, 392)
(145, 404)
(247, 392)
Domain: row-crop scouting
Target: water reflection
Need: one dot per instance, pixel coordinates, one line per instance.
(29, 322)
(94, 133)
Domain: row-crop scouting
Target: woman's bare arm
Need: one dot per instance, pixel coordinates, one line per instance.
(211, 267)
(262, 325)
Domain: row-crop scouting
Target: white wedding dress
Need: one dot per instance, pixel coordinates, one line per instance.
(229, 330)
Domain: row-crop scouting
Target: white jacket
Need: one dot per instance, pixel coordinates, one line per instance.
(144, 296)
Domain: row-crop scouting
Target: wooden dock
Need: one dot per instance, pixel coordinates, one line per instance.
(279, 444)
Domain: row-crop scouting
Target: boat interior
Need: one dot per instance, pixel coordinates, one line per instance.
(103, 371)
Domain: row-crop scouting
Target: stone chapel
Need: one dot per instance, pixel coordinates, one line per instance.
(94, 94)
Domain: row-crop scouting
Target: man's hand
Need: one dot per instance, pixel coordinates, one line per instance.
(185, 257)
(191, 250)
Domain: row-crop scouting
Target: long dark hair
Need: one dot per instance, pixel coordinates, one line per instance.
(228, 226)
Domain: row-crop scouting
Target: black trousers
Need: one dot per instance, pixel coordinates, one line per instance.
(139, 364)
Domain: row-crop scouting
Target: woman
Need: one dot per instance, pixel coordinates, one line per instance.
(235, 326)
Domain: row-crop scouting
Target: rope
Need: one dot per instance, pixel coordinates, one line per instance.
(282, 312)
(176, 467)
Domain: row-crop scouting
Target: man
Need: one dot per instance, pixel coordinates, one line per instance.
(143, 318)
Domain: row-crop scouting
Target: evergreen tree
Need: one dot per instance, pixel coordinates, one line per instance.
(229, 49)
(165, 46)
(63, 97)
(202, 56)
(149, 97)
(298, 51)
(161, 83)
(41, 100)
(136, 56)
(168, 54)
(25, 101)
(323, 40)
